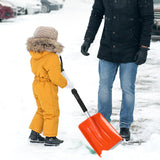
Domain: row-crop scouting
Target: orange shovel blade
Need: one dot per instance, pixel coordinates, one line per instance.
(99, 133)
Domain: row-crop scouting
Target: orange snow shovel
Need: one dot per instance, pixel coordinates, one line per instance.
(97, 130)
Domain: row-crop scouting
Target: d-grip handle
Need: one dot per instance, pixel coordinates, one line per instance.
(76, 95)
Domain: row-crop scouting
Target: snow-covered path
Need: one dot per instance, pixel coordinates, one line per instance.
(18, 106)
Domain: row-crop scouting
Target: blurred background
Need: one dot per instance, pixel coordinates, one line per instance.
(13, 8)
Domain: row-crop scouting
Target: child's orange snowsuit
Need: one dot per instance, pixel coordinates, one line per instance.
(46, 67)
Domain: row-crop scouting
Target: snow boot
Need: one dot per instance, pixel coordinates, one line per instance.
(125, 133)
(52, 141)
(36, 137)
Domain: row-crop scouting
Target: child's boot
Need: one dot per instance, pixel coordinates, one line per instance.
(52, 141)
(36, 137)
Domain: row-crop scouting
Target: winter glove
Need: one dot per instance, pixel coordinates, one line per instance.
(141, 56)
(84, 48)
(70, 85)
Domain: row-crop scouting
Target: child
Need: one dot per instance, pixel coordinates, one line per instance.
(46, 66)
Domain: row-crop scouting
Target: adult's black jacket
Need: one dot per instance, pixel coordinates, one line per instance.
(127, 26)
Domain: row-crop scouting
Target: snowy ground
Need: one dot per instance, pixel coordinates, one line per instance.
(18, 105)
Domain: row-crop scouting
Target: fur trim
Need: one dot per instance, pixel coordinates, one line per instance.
(44, 44)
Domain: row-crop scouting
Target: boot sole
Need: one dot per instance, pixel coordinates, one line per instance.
(35, 141)
(51, 144)
(125, 138)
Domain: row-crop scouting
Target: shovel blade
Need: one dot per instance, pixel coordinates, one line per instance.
(99, 133)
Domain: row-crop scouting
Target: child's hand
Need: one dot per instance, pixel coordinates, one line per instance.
(70, 84)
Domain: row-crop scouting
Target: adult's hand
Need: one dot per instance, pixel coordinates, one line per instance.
(141, 56)
(84, 48)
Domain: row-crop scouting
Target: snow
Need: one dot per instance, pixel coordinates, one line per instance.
(18, 106)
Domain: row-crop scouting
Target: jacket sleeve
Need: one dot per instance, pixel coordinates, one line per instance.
(147, 16)
(95, 20)
(53, 68)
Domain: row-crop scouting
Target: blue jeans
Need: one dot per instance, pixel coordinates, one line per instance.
(127, 75)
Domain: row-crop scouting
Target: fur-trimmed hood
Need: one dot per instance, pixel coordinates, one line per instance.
(43, 44)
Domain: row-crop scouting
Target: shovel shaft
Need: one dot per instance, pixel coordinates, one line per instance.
(76, 95)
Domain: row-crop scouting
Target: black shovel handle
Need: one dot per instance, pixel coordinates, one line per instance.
(79, 100)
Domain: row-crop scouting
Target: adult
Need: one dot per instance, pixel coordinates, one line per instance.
(124, 45)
